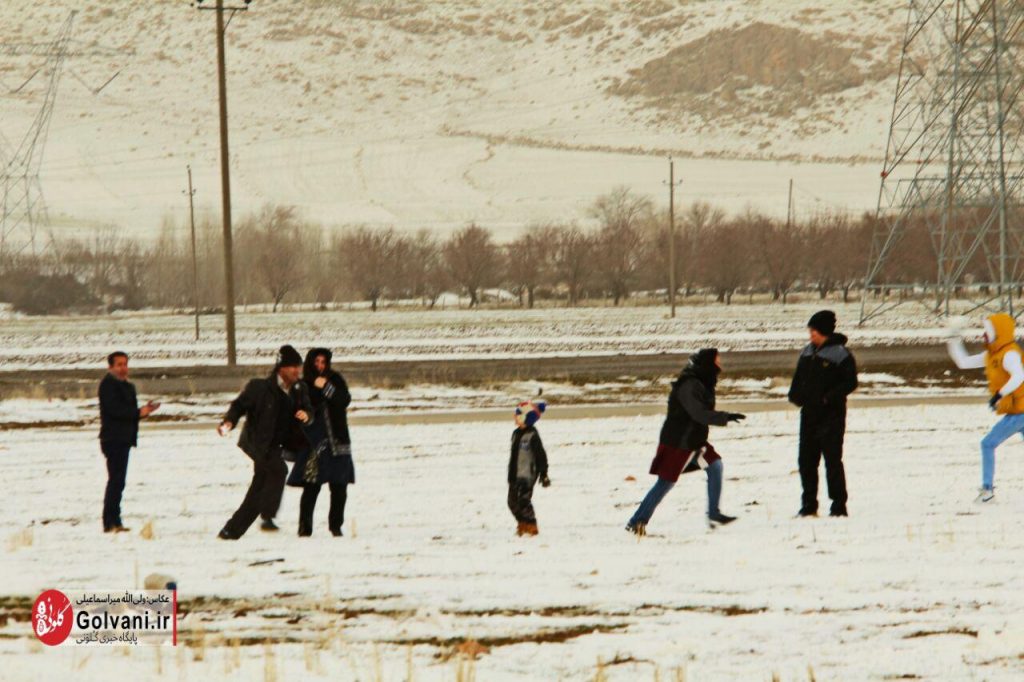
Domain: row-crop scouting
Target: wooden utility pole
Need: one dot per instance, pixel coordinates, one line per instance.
(195, 265)
(672, 236)
(789, 206)
(225, 175)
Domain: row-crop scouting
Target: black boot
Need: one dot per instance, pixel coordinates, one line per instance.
(226, 534)
(720, 519)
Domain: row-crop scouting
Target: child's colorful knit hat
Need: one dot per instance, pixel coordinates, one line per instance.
(529, 411)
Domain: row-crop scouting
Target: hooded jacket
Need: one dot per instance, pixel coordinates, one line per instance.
(824, 377)
(691, 406)
(333, 399)
(1001, 332)
(1001, 362)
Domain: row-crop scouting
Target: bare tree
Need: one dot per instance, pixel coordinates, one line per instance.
(725, 259)
(323, 278)
(620, 240)
(133, 266)
(280, 262)
(840, 247)
(528, 261)
(700, 218)
(427, 274)
(369, 259)
(473, 260)
(573, 260)
(780, 252)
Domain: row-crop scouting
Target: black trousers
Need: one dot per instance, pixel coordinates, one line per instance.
(263, 498)
(520, 500)
(116, 455)
(822, 436)
(335, 515)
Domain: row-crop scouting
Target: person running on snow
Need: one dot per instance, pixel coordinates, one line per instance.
(683, 444)
(527, 463)
(1001, 361)
(826, 374)
(275, 408)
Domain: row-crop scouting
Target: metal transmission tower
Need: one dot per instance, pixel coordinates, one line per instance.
(954, 160)
(22, 210)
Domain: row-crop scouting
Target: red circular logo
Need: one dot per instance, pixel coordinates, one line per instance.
(52, 617)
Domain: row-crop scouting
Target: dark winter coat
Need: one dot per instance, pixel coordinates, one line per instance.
(327, 459)
(334, 398)
(260, 402)
(528, 459)
(823, 378)
(691, 411)
(119, 412)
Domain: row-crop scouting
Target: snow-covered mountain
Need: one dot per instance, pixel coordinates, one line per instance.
(430, 114)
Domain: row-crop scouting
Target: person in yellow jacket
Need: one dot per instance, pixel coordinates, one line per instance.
(1005, 373)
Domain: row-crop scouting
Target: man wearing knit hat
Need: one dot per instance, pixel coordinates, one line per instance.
(826, 374)
(274, 409)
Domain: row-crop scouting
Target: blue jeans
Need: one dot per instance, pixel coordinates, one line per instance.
(661, 487)
(1003, 429)
(651, 501)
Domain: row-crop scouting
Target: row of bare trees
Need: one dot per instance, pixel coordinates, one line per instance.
(282, 258)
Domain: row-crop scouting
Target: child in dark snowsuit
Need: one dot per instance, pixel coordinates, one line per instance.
(528, 463)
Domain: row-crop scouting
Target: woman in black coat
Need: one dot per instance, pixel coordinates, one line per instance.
(683, 443)
(329, 458)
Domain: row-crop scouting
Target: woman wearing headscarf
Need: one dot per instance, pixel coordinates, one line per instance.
(329, 457)
(683, 444)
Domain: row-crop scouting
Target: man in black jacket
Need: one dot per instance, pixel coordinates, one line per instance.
(119, 433)
(825, 374)
(274, 409)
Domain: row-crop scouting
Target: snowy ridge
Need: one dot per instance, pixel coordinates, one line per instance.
(435, 113)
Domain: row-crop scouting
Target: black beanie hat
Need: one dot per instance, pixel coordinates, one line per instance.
(824, 321)
(287, 356)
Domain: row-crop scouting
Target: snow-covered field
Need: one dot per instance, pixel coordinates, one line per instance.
(916, 584)
(161, 339)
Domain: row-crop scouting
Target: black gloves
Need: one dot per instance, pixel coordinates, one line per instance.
(735, 416)
(545, 481)
(994, 400)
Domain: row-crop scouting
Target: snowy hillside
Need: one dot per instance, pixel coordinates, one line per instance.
(435, 113)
